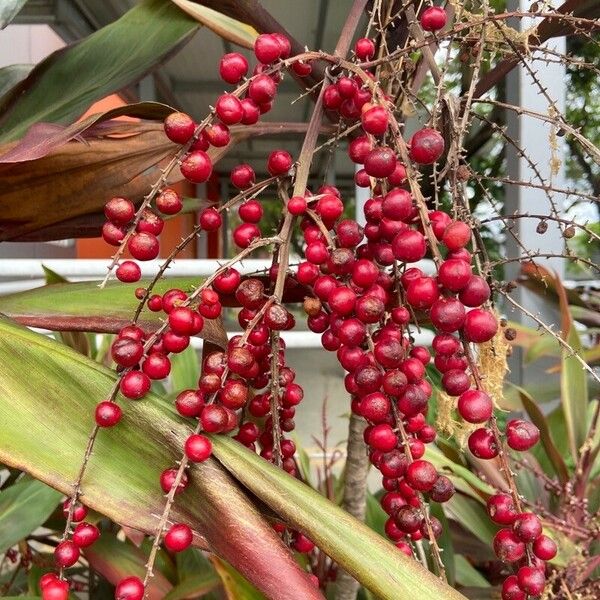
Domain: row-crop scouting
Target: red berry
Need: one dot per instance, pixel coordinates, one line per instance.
(507, 546)
(167, 480)
(185, 321)
(382, 437)
(347, 87)
(242, 176)
(480, 325)
(332, 98)
(511, 589)
(143, 246)
(189, 403)
(297, 205)
(66, 554)
(130, 588)
(302, 69)
(79, 512)
(531, 580)
(178, 538)
(54, 589)
(433, 18)
(267, 48)
(218, 136)
(119, 210)
(128, 272)
(126, 352)
(262, 89)
(455, 382)
(409, 246)
(501, 509)
(380, 162)
(341, 300)
(150, 223)
(447, 314)
(521, 435)
(198, 448)
(397, 205)
(544, 548)
(475, 406)
(475, 292)
(482, 443)
(227, 281)
(364, 48)
(85, 535)
(134, 385)
(245, 234)
(527, 526)
(210, 219)
(157, 366)
(213, 418)
(250, 211)
(454, 274)
(169, 202)
(229, 109)
(107, 414)
(422, 292)
(375, 120)
(113, 234)
(196, 166)
(279, 162)
(302, 544)
(442, 490)
(421, 475)
(426, 146)
(359, 148)
(179, 127)
(456, 235)
(233, 67)
(251, 111)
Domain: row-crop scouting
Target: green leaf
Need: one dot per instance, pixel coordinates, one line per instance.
(472, 516)
(24, 506)
(375, 516)
(11, 75)
(229, 29)
(467, 575)
(185, 369)
(83, 306)
(116, 560)
(70, 80)
(194, 586)
(9, 10)
(40, 377)
(236, 586)
(389, 575)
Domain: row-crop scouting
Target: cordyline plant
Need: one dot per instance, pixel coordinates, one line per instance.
(216, 469)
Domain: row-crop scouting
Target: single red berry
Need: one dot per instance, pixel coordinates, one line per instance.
(482, 443)
(421, 475)
(179, 127)
(297, 205)
(279, 162)
(126, 352)
(85, 535)
(454, 274)
(455, 382)
(347, 87)
(210, 219)
(198, 448)
(447, 314)
(302, 69)
(375, 120)
(143, 246)
(229, 109)
(267, 48)
(245, 234)
(134, 385)
(251, 211)
(169, 202)
(251, 111)
(332, 98)
(475, 292)
(107, 414)
(242, 176)
(157, 365)
(475, 406)
(217, 135)
(55, 589)
(128, 272)
(409, 246)
(302, 544)
(433, 18)
(521, 435)
(380, 162)
(167, 480)
(66, 554)
(196, 166)
(213, 418)
(531, 580)
(185, 321)
(233, 67)
(397, 205)
(442, 490)
(178, 538)
(507, 546)
(501, 509)
(79, 512)
(364, 48)
(456, 235)
(426, 146)
(227, 281)
(130, 588)
(544, 547)
(511, 589)
(119, 210)
(262, 89)
(113, 234)
(150, 223)
(527, 526)
(382, 437)
(480, 325)
(189, 403)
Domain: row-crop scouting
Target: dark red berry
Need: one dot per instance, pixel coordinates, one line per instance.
(229, 109)
(242, 176)
(196, 166)
(475, 406)
(126, 352)
(544, 548)
(421, 475)
(482, 443)
(178, 538)
(279, 162)
(143, 246)
(380, 162)
(364, 48)
(527, 526)
(179, 127)
(521, 435)
(134, 385)
(507, 546)
(66, 554)
(169, 202)
(119, 210)
(511, 589)
(267, 48)
(107, 414)
(426, 146)
(167, 480)
(501, 509)
(480, 325)
(475, 292)
(531, 580)
(85, 535)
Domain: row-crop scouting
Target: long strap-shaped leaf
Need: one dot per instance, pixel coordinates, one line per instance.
(47, 398)
(367, 556)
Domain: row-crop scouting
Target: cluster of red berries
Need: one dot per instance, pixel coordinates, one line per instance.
(363, 292)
